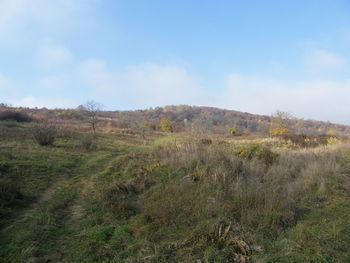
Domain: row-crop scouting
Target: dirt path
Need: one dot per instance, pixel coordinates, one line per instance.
(46, 196)
(48, 229)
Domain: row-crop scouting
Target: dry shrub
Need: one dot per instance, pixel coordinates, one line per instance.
(87, 142)
(206, 141)
(306, 141)
(45, 133)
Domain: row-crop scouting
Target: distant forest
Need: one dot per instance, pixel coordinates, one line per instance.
(184, 118)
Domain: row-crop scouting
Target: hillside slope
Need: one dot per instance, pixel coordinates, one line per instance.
(192, 119)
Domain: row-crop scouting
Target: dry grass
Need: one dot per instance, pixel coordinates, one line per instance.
(208, 183)
(181, 199)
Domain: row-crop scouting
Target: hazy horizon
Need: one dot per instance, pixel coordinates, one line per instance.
(254, 56)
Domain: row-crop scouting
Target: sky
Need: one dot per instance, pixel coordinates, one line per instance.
(247, 55)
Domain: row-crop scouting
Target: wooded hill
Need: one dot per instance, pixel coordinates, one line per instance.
(184, 118)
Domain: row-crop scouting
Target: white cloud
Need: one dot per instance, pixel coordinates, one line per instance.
(309, 99)
(12, 93)
(145, 85)
(250, 94)
(18, 17)
(50, 54)
(97, 75)
(321, 60)
(51, 103)
(149, 85)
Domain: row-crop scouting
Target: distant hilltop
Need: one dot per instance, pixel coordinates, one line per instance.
(185, 118)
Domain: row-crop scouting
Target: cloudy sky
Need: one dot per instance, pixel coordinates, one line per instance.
(248, 55)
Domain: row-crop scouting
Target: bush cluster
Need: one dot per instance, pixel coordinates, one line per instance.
(87, 143)
(45, 134)
(11, 115)
(260, 152)
(306, 141)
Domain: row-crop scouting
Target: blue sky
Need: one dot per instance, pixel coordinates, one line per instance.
(253, 56)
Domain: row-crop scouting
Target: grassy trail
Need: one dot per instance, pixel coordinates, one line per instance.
(32, 209)
(71, 227)
(45, 229)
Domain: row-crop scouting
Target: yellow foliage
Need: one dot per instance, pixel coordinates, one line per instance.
(279, 131)
(232, 131)
(165, 125)
(333, 140)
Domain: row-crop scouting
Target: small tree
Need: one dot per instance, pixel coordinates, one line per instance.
(232, 131)
(281, 123)
(165, 125)
(91, 110)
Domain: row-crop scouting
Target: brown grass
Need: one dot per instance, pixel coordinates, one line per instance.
(209, 181)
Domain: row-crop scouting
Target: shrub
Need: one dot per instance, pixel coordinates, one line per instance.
(87, 143)
(232, 131)
(45, 134)
(279, 131)
(206, 141)
(256, 151)
(305, 141)
(11, 115)
(333, 140)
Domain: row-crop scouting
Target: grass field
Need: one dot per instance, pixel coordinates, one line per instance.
(171, 198)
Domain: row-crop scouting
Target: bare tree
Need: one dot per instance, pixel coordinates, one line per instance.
(91, 109)
(281, 123)
(282, 119)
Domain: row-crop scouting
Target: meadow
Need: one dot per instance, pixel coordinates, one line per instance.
(171, 197)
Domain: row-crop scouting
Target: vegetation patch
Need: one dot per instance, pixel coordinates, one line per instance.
(13, 115)
(262, 153)
(174, 199)
(44, 134)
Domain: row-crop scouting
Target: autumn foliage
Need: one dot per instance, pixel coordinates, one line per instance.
(279, 131)
(165, 125)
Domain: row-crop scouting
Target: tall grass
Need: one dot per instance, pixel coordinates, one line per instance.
(199, 188)
(265, 197)
(176, 201)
